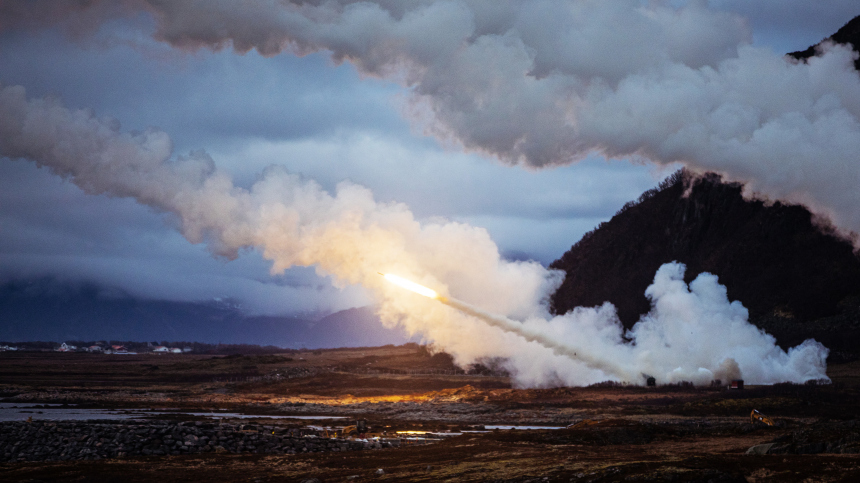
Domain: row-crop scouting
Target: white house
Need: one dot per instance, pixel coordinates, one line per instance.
(175, 350)
(120, 349)
(160, 348)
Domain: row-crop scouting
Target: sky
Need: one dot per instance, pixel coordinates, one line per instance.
(327, 118)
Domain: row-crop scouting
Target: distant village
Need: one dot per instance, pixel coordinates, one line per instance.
(120, 349)
(132, 347)
(105, 348)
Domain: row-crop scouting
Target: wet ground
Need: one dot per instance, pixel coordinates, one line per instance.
(624, 433)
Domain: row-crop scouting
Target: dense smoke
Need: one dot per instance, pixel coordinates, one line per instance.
(691, 334)
(550, 82)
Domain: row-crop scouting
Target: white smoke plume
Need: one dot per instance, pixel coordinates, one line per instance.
(691, 334)
(549, 82)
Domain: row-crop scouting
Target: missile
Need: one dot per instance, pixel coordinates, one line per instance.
(410, 285)
(508, 325)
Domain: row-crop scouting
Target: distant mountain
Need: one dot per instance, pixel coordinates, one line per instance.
(849, 34)
(50, 311)
(358, 327)
(796, 279)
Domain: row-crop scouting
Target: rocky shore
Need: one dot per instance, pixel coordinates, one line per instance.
(88, 440)
(831, 437)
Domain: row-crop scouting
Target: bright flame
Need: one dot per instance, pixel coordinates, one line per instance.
(409, 285)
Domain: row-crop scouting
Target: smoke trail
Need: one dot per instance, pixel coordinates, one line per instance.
(550, 82)
(508, 325)
(692, 333)
(601, 364)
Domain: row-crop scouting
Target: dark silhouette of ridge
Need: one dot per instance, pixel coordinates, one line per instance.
(50, 310)
(798, 279)
(849, 34)
(786, 270)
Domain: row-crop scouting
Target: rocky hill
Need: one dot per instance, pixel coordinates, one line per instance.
(849, 34)
(797, 279)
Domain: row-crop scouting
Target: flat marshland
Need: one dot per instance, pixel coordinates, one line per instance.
(626, 433)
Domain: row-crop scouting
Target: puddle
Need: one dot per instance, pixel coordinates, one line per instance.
(22, 413)
(256, 416)
(504, 426)
(59, 412)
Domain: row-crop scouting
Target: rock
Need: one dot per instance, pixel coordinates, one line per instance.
(380, 471)
(760, 448)
(78, 440)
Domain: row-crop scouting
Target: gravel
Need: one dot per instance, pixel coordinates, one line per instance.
(76, 440)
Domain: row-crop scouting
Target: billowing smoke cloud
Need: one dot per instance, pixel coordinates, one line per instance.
(691, 334)
(549, 82)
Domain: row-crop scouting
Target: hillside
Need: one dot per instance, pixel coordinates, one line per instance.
(849, 34)
(796, 280)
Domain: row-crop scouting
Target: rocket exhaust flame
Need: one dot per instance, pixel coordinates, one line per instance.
(514, 327)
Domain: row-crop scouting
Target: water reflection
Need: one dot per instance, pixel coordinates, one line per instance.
(62, 412)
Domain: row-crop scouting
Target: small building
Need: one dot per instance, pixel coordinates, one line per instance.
(119, 349)
(64, 347)
(160, 349)
(187, 349)
(175, 350)
(737, 384)
(95, 348)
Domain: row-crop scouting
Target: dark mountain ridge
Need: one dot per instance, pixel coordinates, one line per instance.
(786, 270)
(45, 309)
(798, 279)
(849, 34)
